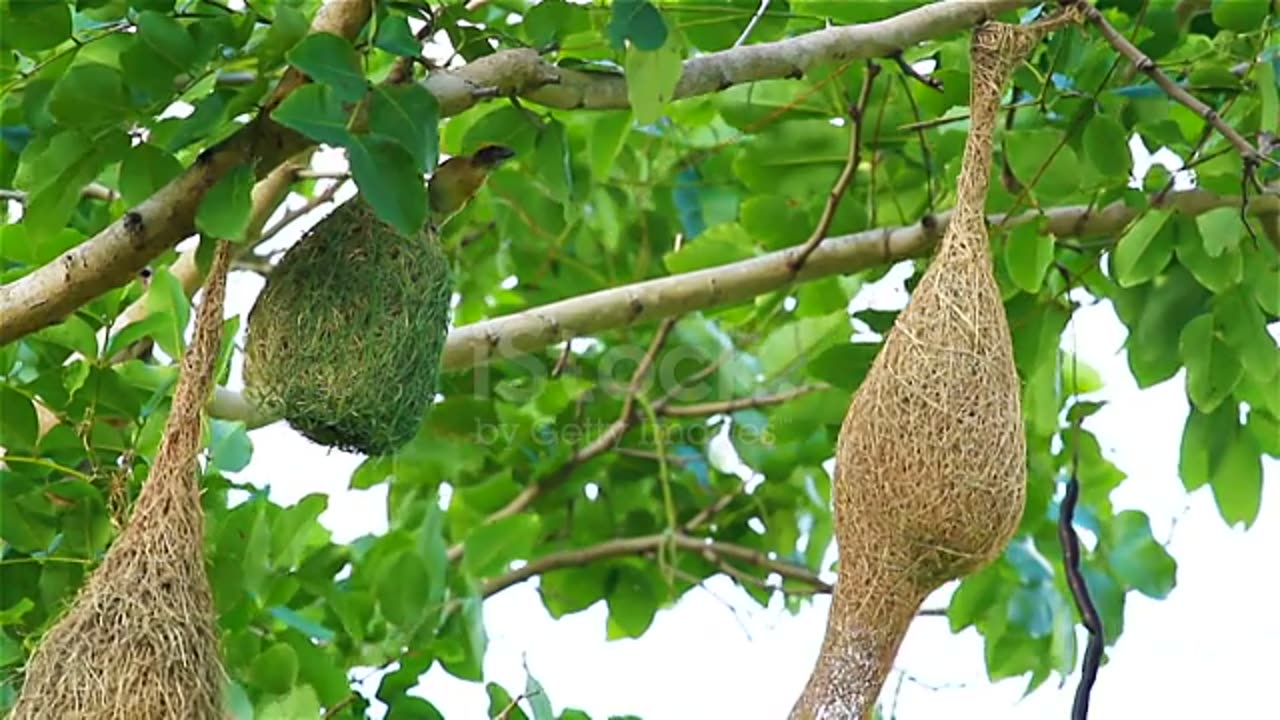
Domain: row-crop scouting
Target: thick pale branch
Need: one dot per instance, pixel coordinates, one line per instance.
(792, 57)
(113, 256)
(582, 316)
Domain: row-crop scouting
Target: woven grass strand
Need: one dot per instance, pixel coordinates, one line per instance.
(139, 642)
(930, 464)
(345, 339)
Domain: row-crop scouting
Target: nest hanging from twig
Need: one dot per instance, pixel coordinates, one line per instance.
(345, 340)
(931, 459)
(140, 642)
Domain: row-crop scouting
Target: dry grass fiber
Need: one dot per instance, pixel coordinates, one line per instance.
(139, 642)
(930, 463)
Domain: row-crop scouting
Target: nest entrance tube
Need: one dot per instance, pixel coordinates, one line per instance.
(140, 642)
(930, 470)
(344, 342)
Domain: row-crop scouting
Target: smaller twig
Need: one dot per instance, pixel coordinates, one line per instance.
(313, 174)
(736, 404)
(1079, 588)
(651, 455)
(563, 361)
(751, 24)
(1146, 65)
(856, 114)
(290, 216)
(711, 510)
(93, 191)
(341, 705)
(908, 70)
(602, 442)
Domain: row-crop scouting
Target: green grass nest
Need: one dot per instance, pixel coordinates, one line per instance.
(344, 341)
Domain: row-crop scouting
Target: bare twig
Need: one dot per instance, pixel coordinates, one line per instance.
(1079, 588)
(857, 112)
(711, 510)
(733, 405)
(715, 550)
(1148, 66)
(291, 216)
(601, 444)
(911, 72)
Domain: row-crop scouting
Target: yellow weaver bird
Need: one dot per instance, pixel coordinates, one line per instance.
(458, 178)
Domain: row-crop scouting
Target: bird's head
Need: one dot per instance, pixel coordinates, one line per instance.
(490, 157)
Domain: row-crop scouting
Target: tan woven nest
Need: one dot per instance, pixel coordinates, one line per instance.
(930, 477)
(140, 641)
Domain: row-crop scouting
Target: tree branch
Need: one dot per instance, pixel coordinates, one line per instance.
(787, 58)
(713, 550)
(117, 253)
(1148, 66)
(531, 330)
(113, 256)
(728, 406)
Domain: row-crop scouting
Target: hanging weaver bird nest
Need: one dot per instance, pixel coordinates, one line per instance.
(139, 641)
(930, 464)
(345, 340)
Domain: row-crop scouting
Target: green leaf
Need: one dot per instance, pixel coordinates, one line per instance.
(773, 221)
(638, 21)
(1215, 273)
(633, 601)
(1267, 87)
(389, 181)
(1205, 439)
(144, 170)
(276, 669)
(1043, 159)
(1107, 147)
(1244, 328)
(410, 707)
(330, 60)
(1136, 558)
(1143, 250)
(1240, 16)
(18, 420)
(553, 162)
(537, 697)
(166, 298)
(1237, 486)
(317, 112)
(395, 37)
(407, 115)
(608, 136)
(1266, 431)
(301, 702)
(490, 548)
(720, 245)
(168, 39)
(844, 365)
(1221, 229)
(74, 333)
(1028, 252)
(224, 211)
(403, 587)
(54, 171)
(90, 95)
(975, 597)
(1213, 368)
(289, 27)
(651, 80)
(35, 26)
(230, 447)
(1030, 610)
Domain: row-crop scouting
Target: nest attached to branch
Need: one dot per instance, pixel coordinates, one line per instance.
(140, 641)
(930, 477)
(345, 340)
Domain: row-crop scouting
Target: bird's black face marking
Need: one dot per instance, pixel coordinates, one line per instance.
(493, 155)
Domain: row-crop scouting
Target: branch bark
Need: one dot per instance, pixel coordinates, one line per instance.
(112, 257)
(536, 328)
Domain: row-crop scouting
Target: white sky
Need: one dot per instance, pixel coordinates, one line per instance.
(1206, 651)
